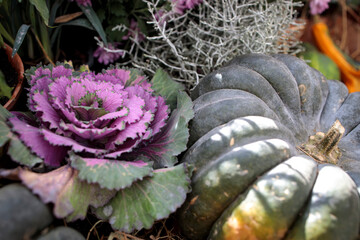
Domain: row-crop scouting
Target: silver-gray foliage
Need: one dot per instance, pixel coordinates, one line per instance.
(191, 45)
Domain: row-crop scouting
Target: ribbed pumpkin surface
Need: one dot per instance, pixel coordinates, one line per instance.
(251, 180)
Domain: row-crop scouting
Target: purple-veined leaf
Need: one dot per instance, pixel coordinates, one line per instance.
(57, 89)
(49, 185)
(111, 174)
(150, 101)
(134, 130)
(114, 75)
(126, 147)
(21, 154)
(172, 140)
(111, 101)
(34, 139)
(160, 117)
(136, 79)
(88, 133)
(71, 196)
(135, 105)
(49, 114)
(151, 199)
(61, 141)
(16, 149)
(86, 113)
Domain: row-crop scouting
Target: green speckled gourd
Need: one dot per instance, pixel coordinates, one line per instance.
(276, 152)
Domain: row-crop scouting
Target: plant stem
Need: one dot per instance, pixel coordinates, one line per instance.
(42, 47)
(323, 147)
(331, 139)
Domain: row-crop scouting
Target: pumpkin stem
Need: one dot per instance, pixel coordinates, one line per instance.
(323, 147)
(331, 139)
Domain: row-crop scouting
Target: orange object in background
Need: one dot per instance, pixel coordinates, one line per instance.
(349, 74)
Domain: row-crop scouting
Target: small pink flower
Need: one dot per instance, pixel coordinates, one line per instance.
(106, 57)
(134, 32)
(192, 3)
(82, 2)
(160, 18)
(318, 6)
(179, 6)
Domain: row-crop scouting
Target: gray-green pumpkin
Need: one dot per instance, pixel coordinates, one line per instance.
(276, 151)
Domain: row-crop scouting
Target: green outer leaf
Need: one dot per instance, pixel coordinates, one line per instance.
(175, 134)
(4, 113)
(42, 8)
(20, 35)
(21, 154)
(166, 87)
(17, 150)
(71, 196)
(76, 197)
(111, 174)
(94, 20)
(185, 106)
(4, 133)
(154, 198)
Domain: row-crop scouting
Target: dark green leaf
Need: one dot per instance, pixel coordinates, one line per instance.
(101, 14)
(166, 87)
(54, 8)
(154, 198)
(142, 26)
(6, 35)
(42, 8)
(185, 106)
(5, 90)
(20, 38)
(118, 9)
(94, 20)
(80, 22)
(174, 136)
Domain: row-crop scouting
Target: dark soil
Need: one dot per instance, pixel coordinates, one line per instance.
(11, 76)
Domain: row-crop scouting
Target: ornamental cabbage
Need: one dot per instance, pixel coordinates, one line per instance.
(110, 142)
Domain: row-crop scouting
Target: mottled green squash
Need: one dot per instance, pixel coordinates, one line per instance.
(270, 159)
